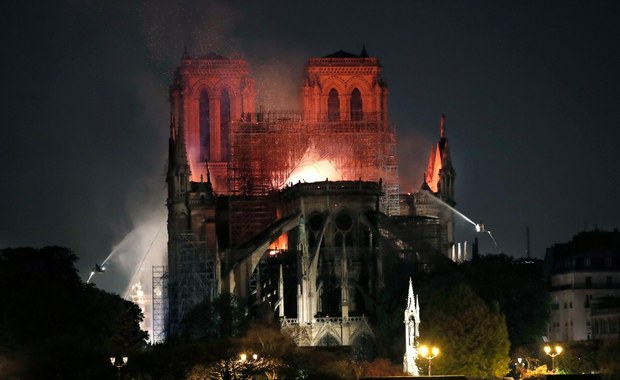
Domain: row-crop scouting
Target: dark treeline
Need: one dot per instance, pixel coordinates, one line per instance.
(53, 325)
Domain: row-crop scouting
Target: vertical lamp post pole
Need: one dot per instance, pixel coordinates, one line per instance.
(553, 353)
(519, 367)
(429, 354)
(118, 364)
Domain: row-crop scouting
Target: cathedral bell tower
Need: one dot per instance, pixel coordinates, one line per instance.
(345, 87)
(209, 95)
(345, 104)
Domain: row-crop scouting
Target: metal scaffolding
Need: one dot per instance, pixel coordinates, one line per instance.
(160, 303)
(266, 148)
(249, 215)
(191, 278)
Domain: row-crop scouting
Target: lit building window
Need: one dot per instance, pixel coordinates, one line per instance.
(356, 105)
(333, 106)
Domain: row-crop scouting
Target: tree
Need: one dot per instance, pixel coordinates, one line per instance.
(472, 337)
(536, 373)
(267, 341)
(237, 368)
(57, 326)
(520, 288)
(608, 359)
(379, 367)
(578, 357)
(225, 316)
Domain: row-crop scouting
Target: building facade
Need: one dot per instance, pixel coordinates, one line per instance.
(243, 188)
(584, 277)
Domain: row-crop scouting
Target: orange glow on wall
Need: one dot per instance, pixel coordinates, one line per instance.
(434, 167)
(281, 244)
(253, 153)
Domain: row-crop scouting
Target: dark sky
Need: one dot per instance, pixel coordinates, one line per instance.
(530, 89)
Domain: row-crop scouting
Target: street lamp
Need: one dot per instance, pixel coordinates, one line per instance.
(553, 353)
(519, 367)
(118, 364)
(242, 367)
(429, 354)
(243, 357)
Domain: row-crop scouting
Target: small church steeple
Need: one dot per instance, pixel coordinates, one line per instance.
(412, 332)
(439, 172)
(364, 53)
(442, 127)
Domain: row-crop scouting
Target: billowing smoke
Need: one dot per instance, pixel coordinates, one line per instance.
(413, 150)
(277, 84)
(216, 26)
(199, 26)
(230, 29)
(144, 242)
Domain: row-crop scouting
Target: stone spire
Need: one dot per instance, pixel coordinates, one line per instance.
(442, 127)
(364, 53)
(344, 285)
(304, 311)
(412, 332)
(181, 150)
(439, 174)
(280, 303)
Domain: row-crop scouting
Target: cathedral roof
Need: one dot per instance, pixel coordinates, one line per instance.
(212, 55)
(342, 54)
(346, 54)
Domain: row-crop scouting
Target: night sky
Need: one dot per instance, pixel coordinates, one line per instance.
(530, 90)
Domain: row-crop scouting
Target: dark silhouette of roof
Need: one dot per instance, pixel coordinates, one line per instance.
(342, 54)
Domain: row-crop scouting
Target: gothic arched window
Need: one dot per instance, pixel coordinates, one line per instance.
(333, 105)
(224, 123)
(205, 129)
(356, 105)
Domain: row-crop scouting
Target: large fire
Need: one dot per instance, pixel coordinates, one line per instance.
(313, 168)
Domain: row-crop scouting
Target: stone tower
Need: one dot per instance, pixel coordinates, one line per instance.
(209, 93)
(344, 86)
(344, 94)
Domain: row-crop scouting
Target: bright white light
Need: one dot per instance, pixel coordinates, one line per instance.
(313, 168)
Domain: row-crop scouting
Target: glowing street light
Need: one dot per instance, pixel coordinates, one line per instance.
(243, 357)
(429, 354)
(553, 353)
(118, 364)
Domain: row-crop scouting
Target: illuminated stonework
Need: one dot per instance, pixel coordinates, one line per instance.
(318, 186)
(210, 93)
(412, 332)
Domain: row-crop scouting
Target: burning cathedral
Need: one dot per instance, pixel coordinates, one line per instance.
(293, 212)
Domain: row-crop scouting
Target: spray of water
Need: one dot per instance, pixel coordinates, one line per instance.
(138, 271)
(457, 212)
(492, 238)
(143, 245)
(479, 227)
